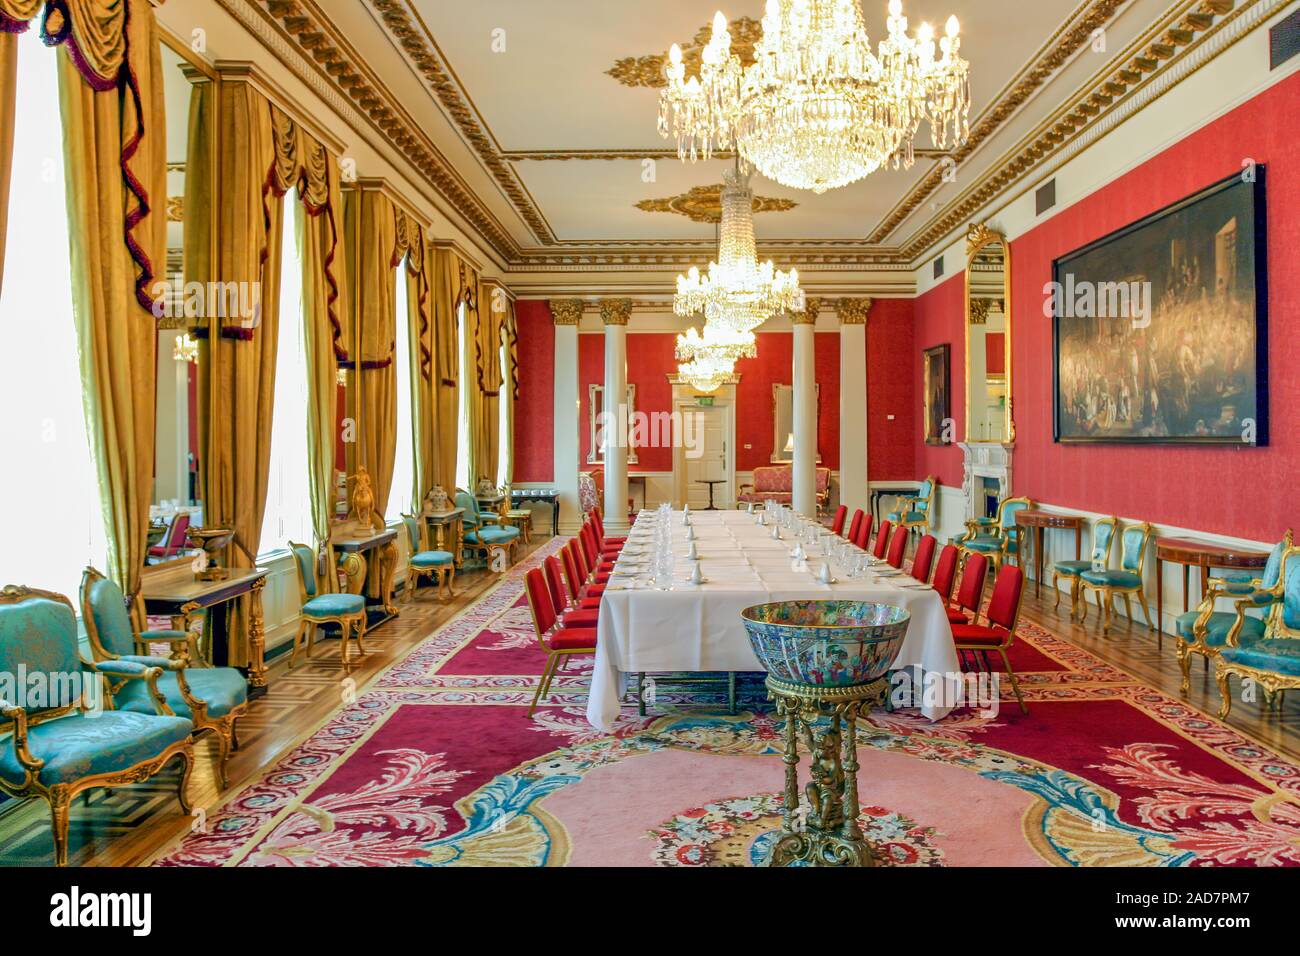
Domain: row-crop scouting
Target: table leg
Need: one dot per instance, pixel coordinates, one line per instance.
(1160, 595)
(256, 636)
(555, 517)
(1205, 580)
(1038, 561)
(1187, 570)
(1078, 542)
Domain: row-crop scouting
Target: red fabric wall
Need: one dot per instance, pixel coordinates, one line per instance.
(775, 366)
(939, 320)
(1236, 491)
(892, 389)
(535, 410)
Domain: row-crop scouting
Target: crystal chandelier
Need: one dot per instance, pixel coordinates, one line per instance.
(185, 348)
(708, 360)
(739, 293)
(818, 109)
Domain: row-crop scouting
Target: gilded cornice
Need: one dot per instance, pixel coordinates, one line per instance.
(704, 204)
(615, 311)
(566, 311)
(854, 311)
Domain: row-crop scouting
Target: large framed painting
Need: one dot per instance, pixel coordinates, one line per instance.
(937, 384)
(1160, 329)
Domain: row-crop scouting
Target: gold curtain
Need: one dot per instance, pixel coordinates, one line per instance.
(242, 353)
(486, 322)
(197, 238)
(510, 386)
(8, 100)
(419, 307)
(370, 224)
(115, 155)
(450, 287)
(318, 232)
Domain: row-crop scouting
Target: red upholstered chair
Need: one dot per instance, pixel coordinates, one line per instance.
(999, 631)
(596, 564)
(174, 542)
(559, 643)
(591, 578)
(882, 539)
(924, 558)
(945, 572)
(971, 591)
(863, 538)
(854, 525)
(599, 522)
(841, 513)
(898, 547)
(569, 616)
(578, 592)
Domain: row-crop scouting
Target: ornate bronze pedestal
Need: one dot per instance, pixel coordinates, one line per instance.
(829, 835)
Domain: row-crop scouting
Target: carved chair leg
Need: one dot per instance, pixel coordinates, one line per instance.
(311, 637)
(1128, 607)
(345, 632)
(1146, 611)
(361, 633)
(234, 733)
(183, 788)
(223, 754)
(1056, 586)
(1185, 665)
(60, 808)
(1221, 678)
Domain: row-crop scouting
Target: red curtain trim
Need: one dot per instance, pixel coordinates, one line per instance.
(9, 25)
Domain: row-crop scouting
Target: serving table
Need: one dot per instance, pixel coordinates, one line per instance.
(1039, 521)
(697, 628)
(176, 594)
(520, 496)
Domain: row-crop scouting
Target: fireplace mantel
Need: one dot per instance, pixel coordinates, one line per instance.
(984, 460)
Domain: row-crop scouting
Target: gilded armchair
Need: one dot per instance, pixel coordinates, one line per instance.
(1271, 659)
(1103, 542)
(213, 698)
(323, 606)
(1125, 581)
(426, 563)
(999, 539)
(484, 533)
(916, 512)
(1206, 631)
(63, 740)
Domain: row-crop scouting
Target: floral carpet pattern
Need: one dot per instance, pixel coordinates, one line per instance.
(436, 763)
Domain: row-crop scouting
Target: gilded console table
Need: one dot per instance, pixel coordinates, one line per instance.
(1201, 554)
(1039, 521)
(452, 519)
(369, 560)
(176, 594)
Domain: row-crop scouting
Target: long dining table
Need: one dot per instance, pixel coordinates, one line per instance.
(662, 627)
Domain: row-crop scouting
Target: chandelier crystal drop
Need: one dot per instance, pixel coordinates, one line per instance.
(818, 109)
(707, 361)
(738, 293)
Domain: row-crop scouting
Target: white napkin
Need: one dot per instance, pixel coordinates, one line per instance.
(824, 573)
(697, 575)
(798, 553)
(776, 533)
(692, 554)
(690, 533)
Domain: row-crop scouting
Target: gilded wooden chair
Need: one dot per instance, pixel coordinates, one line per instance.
(915, 512)
(1126, 580)
(213, 698)
(320, 606)
(483, 532)
(1103, 538)
(65, 741)
(426, 563)
(1206, 631)
(1000, 540)
(1271, 659)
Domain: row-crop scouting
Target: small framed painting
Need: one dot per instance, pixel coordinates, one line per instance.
(938, 382)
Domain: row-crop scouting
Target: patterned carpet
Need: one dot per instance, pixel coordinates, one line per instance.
(437, 764)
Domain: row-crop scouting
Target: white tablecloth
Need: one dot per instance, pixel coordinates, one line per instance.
(697, 628)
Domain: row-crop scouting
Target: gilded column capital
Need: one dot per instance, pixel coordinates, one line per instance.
(811, 309)
(854, 311)
(615, 311)
(566, 311)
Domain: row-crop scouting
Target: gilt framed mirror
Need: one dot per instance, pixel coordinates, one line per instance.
(595, 407)
(989, 406)
(783, 423)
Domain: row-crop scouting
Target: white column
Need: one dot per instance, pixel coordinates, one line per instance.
(615, 313)
(854, 483)
(805, 411)
(566, 313)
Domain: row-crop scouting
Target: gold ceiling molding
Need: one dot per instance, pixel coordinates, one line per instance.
(615, 311)
(300, 24)
(648, 71)
(566, 311)
(1153, 54)
(637, 155)
(854, 311)
(980, 235)
(704, 204)
(414, 39)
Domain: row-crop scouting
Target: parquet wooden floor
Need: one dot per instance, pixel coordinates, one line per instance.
(127, 826)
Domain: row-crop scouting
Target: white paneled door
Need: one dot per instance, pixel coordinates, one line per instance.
(710, 460)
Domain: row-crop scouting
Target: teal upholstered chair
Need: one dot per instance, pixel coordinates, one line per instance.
(1126, 580)
(1103, 538)
(322, 606)
(483, 532)
(1206, 631)
(213, 698)
(1272, 658)
(65, 741)
(424, 563)
(999, 539)
(916, 512)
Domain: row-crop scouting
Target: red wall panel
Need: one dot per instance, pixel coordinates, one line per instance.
(775, 366)
(1237, 491)
(892, 389)
(535, 410)
(940, 318)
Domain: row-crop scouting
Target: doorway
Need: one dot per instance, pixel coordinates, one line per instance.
(710, 459)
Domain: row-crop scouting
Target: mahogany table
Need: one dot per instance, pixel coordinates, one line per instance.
(1039, 521)
(1204, 555)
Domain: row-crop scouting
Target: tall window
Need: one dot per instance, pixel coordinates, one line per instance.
(399, 498)
(53, 523)
(466, 382)
(288, 492)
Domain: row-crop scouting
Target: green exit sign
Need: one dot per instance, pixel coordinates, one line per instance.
(706, 401)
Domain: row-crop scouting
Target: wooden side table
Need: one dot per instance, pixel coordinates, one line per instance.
(1204, 555)
(1039, 521)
